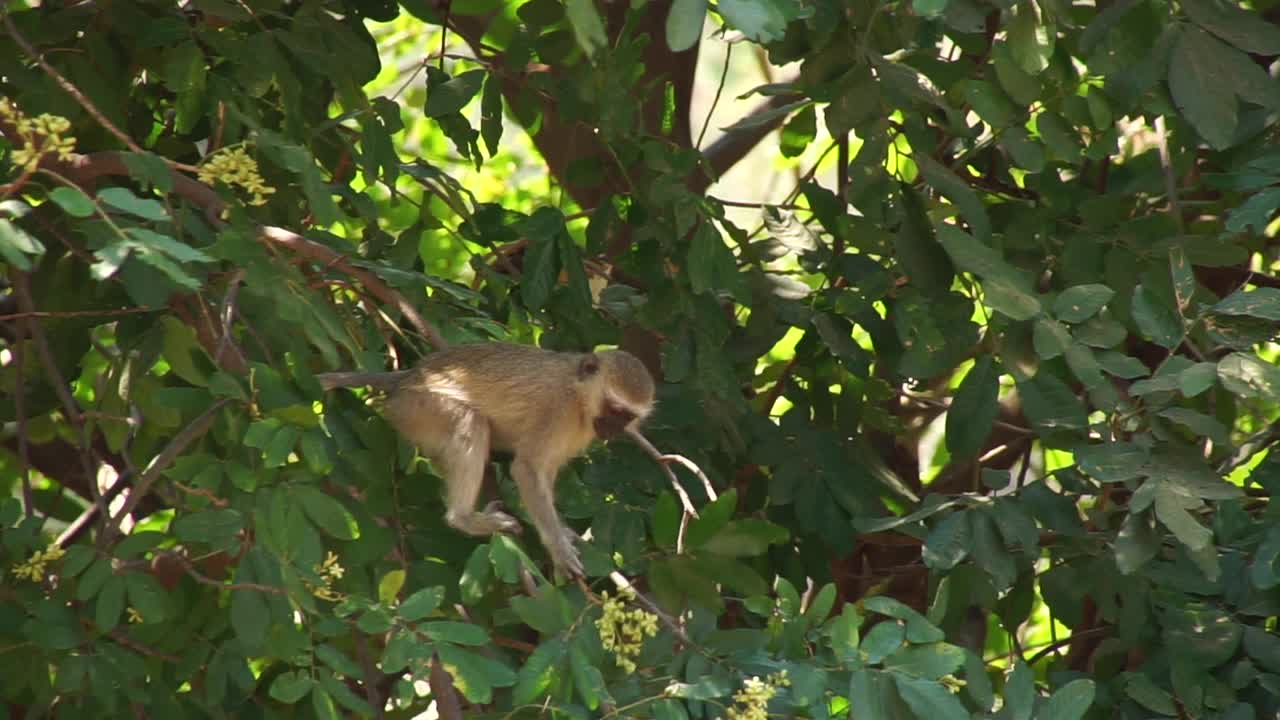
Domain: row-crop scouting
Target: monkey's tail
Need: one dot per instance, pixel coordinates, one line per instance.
(384, 381)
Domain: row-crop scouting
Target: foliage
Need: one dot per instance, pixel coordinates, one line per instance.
(986, 402)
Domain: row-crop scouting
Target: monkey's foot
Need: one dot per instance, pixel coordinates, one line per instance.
(486, 522)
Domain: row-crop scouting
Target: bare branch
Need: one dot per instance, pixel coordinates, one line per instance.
(158, 465)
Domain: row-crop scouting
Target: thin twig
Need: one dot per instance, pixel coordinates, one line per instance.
(22, 288)
(20, 408)
(203, 579)
(724, 74)
(158, 465)
(1059, 644)
(1166, 164)
(61, 314)
(67, 86)
(327, 256)
(656, 454)
(226, 315)
(621, 582)
(126, 641)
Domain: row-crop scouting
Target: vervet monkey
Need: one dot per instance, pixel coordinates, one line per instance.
(544, 406)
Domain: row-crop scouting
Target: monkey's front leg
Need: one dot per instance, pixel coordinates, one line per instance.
(537, 490)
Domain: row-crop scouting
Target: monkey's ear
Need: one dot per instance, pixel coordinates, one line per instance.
(588, 366)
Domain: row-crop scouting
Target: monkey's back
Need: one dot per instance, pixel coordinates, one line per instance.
(529, 395)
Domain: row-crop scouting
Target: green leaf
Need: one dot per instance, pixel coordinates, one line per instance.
(919, 629)
(1156, 319)
(110, 604)
(990, 103)
(929, 661)
(452, 95)
(250, 615)
(291, 686)
(990, 553)
(587, 678)
(1081, 302)
(746, 538)
(1249, 376)
(459, 633)
(958, 192)
(1136, 543)
(1070, 702)
(974, 409)
(1171, 510)
(1146, 693)
(1113, 461)
(1199, 88)
(542, 261)
(588, 28)
(1198, 423)
(1261, 302)
(926, 262)
(338, 660)
(712, 518)
(491, 113)
(149, 169)
(183, 352)
(322, 704)
(73, 201)
(929, 699)
(948, 542)
(883, 640)
(711, 265)
(1263, 646)
(1031, 37)
(1245, 29)
(327, 513)
(1022, 86)
(760, 20)
(123, 199)
(1265, 569)
(18, 247)
(389, 586)
(1197, 378)
(219, 528)
(1020, 693)
(475, 676)
(421, 604)
(666, 520)
(684, 24)
(538, 671)
(546, 611)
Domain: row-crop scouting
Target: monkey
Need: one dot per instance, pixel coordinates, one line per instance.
(543, 406)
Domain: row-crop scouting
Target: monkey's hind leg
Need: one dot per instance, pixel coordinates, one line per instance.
(464, 463)
(456, 436)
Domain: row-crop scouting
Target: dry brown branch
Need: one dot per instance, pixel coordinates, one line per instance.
(448, 706)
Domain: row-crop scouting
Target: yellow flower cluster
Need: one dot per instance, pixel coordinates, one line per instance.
(34, 568)
(330, 572)
(623, 631)
(41, 135)
(235, 167)
(752, 701)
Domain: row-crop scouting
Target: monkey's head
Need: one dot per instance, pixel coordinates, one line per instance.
(621, 389)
